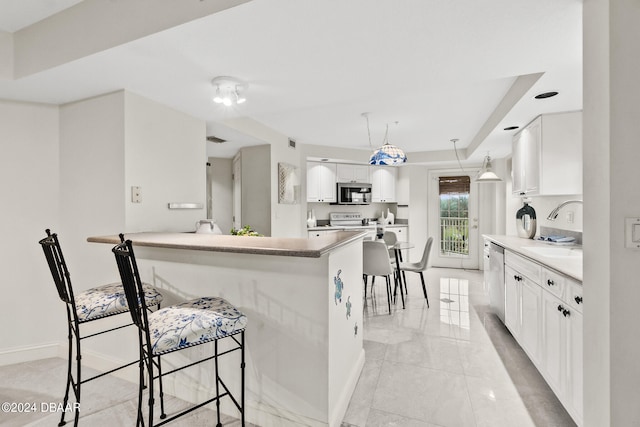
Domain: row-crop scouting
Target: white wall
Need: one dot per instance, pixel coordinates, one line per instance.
(257, 188)
(29, 174)
(418, 209)
(221, 171)
(165, 154)
(6, 55)
(287, 220)
(64, 168)
(91, 183)
(611, 151)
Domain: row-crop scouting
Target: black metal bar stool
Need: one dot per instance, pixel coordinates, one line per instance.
(87, 306)
(176, 328)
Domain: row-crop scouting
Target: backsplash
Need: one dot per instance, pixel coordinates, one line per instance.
(543, 205)
(372, 211)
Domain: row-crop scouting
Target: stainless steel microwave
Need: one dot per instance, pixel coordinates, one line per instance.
(350, 193)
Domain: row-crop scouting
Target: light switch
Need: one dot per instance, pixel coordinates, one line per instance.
(635, 233)
(136, 195)
(632, 233)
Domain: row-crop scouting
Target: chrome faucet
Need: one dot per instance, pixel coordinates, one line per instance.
(554, 213)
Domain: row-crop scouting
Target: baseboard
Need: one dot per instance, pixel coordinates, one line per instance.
(336, 417)
(29, 353)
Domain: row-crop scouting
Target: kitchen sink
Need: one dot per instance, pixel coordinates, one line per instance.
(555, 252)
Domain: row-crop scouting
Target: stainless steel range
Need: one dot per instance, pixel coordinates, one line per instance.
(346, 219)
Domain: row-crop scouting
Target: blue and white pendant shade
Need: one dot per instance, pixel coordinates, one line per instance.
(388, 155)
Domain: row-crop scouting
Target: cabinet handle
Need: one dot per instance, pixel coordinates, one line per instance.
(550, 282)
(578, 300)
(560, 307)
(566, 313)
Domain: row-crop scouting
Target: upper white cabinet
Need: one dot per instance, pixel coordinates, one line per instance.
(321, 182)
(352, 173)
(383, 184)
(547, 156)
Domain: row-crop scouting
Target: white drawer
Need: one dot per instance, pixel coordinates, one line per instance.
(553, 282)
(574, 295)
(523, 266)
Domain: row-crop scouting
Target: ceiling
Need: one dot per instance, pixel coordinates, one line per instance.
(439, 68)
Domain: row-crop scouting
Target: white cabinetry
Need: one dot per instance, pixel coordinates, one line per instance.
(312, 234)
(562, 334)
(544, 314)
(401, 231)
(523, 302)
(321, 182)
(383, 184)
(530, 309)
(547, 156)
(512, 297)
(352, 173)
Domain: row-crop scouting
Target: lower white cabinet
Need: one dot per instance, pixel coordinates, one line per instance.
(523, 303)
(543, 311)
(319, 233)
(512, 301)
(554, 338)
(575, 365)
(530, 312)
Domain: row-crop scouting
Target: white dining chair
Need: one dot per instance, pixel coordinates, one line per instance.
(390, 238)
(420, 266)
(376, 262)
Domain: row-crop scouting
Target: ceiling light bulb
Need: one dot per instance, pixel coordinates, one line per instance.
(217, 99)
(226, 101)
(239, 98)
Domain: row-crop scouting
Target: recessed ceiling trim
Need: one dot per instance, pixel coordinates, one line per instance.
(515, 93)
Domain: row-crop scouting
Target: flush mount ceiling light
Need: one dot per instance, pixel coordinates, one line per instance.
(229, 90)
(388, 154)
(486, 174)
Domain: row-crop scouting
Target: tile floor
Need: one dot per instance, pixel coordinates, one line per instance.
(453, 364)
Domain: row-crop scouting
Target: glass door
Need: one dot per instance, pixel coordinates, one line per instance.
(453, 219)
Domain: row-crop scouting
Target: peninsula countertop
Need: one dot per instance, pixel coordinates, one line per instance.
(568, 265)
(282, 246)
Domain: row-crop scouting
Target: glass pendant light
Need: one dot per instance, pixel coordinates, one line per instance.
(388, 154)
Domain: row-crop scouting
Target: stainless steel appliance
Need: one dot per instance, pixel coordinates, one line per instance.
(346, 219)
(350, 193)
(496, 280)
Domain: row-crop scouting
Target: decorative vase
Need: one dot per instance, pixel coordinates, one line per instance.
(313, 218)
(391, 218)
(526, 221)
(310, 220)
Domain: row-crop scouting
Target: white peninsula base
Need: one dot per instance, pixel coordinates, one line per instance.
(304, 337)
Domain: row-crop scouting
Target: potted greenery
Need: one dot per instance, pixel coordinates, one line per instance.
(244, 231)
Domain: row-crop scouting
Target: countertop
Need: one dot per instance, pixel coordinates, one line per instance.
(282, 246)
(570, 266)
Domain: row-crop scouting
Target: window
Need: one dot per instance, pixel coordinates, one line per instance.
(454, 215)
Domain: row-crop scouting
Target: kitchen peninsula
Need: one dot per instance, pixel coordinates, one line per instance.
(303, 298)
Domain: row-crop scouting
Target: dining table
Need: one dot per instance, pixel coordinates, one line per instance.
(398, 247)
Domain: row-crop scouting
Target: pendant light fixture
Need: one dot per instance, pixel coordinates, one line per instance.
(487, 174)
(388, 154)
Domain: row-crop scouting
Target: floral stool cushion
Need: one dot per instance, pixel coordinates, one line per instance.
(193, 322)
(107, 300)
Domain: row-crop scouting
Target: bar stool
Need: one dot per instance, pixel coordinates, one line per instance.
(87, 306)
(176, 328)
